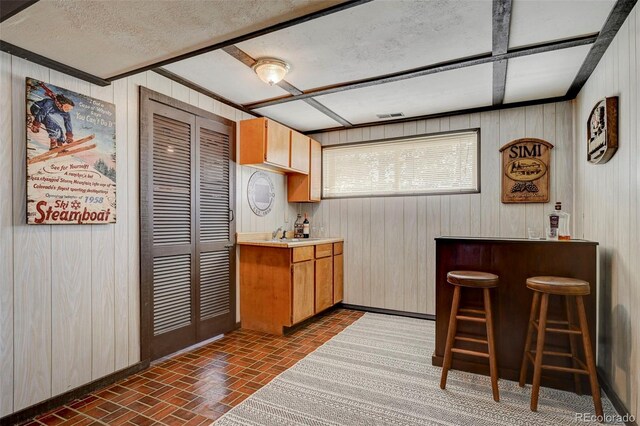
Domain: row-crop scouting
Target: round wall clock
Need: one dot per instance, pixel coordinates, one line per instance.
(261, 193)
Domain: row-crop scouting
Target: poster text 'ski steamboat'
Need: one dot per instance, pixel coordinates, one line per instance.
(71, 157)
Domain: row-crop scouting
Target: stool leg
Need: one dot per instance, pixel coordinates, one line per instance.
(493, 363)
(591, 365)
(537, 366)
(574, 347)
(451, 333)
(527, 346)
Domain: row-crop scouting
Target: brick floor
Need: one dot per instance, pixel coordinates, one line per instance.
(197, 387)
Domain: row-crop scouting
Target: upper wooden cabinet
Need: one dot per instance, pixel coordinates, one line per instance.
(307, 188)
(268, 144)
(299, 159)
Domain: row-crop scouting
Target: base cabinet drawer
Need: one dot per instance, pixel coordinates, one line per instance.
(324, 250)
(300, 254)
(337, 248)
(324, 283)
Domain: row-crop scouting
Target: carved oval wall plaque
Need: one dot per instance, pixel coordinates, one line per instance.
(602, 131)
(260, 193)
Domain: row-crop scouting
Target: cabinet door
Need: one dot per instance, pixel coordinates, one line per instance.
(299, 152)
(277, 148)
(302, 283)
(324, 283)
(338, 280)
(315, 171)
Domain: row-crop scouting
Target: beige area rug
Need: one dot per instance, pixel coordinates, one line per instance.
(378, 372)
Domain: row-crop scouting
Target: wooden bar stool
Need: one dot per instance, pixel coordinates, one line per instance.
(543, 287)
(479, 280)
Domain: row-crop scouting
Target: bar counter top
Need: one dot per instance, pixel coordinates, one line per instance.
(514, 240)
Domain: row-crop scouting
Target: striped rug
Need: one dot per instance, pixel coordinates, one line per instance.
(378, 372)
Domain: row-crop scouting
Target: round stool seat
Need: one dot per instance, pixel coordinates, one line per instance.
(472, 279)
(559, 285)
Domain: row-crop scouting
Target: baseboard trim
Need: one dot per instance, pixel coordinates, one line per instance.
(613, 397)
(59, 400)
(289, 330)
(388, 311)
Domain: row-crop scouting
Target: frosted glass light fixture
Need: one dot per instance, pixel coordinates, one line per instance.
(271, 70)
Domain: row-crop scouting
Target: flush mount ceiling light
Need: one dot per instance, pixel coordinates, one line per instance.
(270, 70)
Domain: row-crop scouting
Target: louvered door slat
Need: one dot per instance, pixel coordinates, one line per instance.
(214, 186)
(214, 284)
(172, 293)
(171, 181)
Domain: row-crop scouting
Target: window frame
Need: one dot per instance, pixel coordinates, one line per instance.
(475, 130)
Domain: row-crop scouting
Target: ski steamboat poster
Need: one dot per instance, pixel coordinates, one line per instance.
(71, 157)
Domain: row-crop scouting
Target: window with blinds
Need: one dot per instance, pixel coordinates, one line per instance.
(428, 164)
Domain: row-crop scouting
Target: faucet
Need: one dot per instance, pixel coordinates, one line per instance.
(274, 234)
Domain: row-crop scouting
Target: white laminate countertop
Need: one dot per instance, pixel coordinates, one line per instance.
(289, 242)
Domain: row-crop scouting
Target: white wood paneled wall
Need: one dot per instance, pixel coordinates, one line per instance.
(607, 210)
(389, 241)
(282, 214)
(69, 295)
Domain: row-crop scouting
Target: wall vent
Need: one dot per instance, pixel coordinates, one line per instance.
(391, 115)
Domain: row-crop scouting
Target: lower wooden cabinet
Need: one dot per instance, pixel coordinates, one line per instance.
(280, 287)
(324, 283)
(338, 278)
(302, 279)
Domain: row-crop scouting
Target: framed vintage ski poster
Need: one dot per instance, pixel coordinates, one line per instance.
(71, 157)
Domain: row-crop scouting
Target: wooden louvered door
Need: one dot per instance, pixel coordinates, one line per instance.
(187, 256)
(214, 229)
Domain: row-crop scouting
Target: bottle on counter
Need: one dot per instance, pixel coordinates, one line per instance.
(305, 227)
(298, 227)
(558, 224)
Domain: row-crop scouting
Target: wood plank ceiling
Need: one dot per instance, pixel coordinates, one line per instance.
(352, 60)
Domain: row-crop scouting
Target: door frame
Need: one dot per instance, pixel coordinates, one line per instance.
(147, 98)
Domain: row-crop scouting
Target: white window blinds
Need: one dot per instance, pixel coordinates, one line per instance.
(430, 164)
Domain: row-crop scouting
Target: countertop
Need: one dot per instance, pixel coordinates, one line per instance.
(290, 242)
(513, 240)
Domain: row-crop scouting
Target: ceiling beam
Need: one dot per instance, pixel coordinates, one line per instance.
(191, 85)
(272, 28)
(8, 8)
(50, 63)
(448, 114)
(500, 46)
(614, 21)
(499, 81)
(246, 59)
(429, 69)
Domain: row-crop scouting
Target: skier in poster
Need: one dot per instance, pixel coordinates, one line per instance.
(53, 113)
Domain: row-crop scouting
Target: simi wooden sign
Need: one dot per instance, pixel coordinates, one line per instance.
(525, 171)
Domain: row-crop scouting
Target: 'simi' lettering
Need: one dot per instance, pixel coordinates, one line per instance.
(523, 151)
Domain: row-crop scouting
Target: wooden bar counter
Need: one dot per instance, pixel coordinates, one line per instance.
(513, 260)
